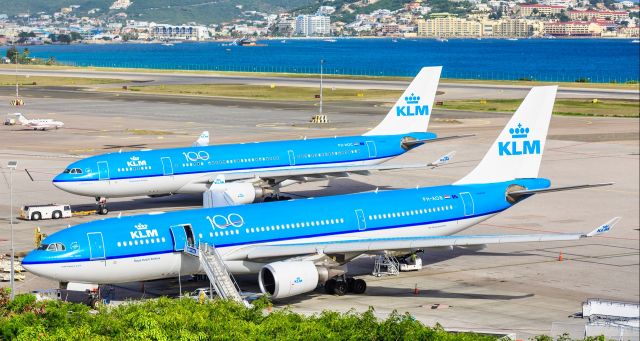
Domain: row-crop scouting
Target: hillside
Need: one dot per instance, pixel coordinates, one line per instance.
(161, 11)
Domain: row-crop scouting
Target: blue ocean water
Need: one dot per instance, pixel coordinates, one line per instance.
(598, 60)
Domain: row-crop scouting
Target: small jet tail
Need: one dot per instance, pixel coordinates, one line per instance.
(23, 120)
(203, 140)
(518, 150)
(412, 111)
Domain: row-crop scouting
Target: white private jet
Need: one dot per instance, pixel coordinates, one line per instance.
(38, 124)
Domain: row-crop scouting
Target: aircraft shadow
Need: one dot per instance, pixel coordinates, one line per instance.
(404, 292)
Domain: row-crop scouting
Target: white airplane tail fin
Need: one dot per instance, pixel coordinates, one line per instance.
(518, 150)
(203, 140)
(23, 120)
(412, 111)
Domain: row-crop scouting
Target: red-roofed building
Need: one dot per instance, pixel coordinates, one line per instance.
(534, 10)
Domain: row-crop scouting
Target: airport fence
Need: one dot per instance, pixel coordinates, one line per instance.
(547, 76)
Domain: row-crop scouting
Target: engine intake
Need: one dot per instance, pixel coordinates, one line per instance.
(286, 279)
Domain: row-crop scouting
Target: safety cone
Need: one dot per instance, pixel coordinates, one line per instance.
(560, 258)
(416, 291)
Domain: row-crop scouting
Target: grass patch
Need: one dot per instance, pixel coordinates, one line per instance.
(149, 132)
(54, 81)
(569, 107)
(620, 86)
(266, 92)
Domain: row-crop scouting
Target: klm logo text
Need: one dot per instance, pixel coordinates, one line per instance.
(412, 108)
(139, 234)
(519, 146)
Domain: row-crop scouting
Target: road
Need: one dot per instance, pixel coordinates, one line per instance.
(451, 90)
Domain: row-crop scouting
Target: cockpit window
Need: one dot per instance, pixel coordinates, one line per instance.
(66, 171)
(76, 171)
(43, 247)
(53, 247)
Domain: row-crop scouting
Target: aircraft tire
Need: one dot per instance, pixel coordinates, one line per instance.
(359, 286)
(340, 288)
(103, 211)
(329, 286)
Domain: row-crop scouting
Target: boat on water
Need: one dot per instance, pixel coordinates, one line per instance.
(394, 40)
(513, 39)
(635, 41)
(442, 40)
(167, 44)
(329, 40)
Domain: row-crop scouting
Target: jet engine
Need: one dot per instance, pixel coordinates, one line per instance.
(286, 279)
(234, 193)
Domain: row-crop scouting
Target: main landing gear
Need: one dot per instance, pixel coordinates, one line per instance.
(342, 285)
(276, 197)
(102, 206)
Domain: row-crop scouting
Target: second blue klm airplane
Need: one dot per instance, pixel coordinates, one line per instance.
(294, 245)
(242, 173)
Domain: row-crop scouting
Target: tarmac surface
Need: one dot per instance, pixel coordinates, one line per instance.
(520, 288)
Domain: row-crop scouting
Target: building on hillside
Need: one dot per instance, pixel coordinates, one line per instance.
(313, 25)
(449, 27)
(535, 10)
(390, 29)
(563, 3)
(183, 32)
(286, 26)
(599, 15)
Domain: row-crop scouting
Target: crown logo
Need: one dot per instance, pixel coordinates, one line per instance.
(141, 226)
(134, 158)
(519, 132)
(412, 99)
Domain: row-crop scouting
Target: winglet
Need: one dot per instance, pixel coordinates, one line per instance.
(604, 228)
(203, 140)
(413, 109)
(443, 160)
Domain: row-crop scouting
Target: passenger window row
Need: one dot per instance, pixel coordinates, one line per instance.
(130, 169)
(309, 156)
(145, 241)
(410, 212)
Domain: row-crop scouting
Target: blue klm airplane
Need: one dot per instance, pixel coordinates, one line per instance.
(243, 173)
(294, 245)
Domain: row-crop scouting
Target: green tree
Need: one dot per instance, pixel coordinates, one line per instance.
(64, 38)
(75, 36)
(12, 54)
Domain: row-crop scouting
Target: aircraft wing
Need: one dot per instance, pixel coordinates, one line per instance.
(403, 243)
(305, 174)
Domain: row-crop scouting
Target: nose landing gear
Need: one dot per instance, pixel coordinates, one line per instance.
(102, 206)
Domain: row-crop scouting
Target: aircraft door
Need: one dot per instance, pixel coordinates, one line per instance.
(96, 246)
(467, 201)
(179, 237)
(371, 146)
(103, 170)
(292, 158)
(362, 223)
(167, 166)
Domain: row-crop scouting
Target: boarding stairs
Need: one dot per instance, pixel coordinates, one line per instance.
(221, 280)
(386, 265)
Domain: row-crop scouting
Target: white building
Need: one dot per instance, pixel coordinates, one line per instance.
(313, 25)
(183, 32)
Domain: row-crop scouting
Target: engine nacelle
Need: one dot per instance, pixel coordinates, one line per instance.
(286, 279)
(238, 193)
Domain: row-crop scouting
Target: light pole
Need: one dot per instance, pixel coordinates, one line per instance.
(12, 166)
(321, 66)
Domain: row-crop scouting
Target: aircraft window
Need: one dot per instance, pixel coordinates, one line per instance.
(76, 171)
(67, 170)
(43, 247)
(119, 244)
(341, 220)
(252, 230)
(246, 230)
(210, 235)
(288, 226)
(135, 242)
(163, 240)
(153, 240)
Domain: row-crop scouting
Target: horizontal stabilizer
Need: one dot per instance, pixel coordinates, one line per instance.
(604, 228)
(412, 143)
(516, 195)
